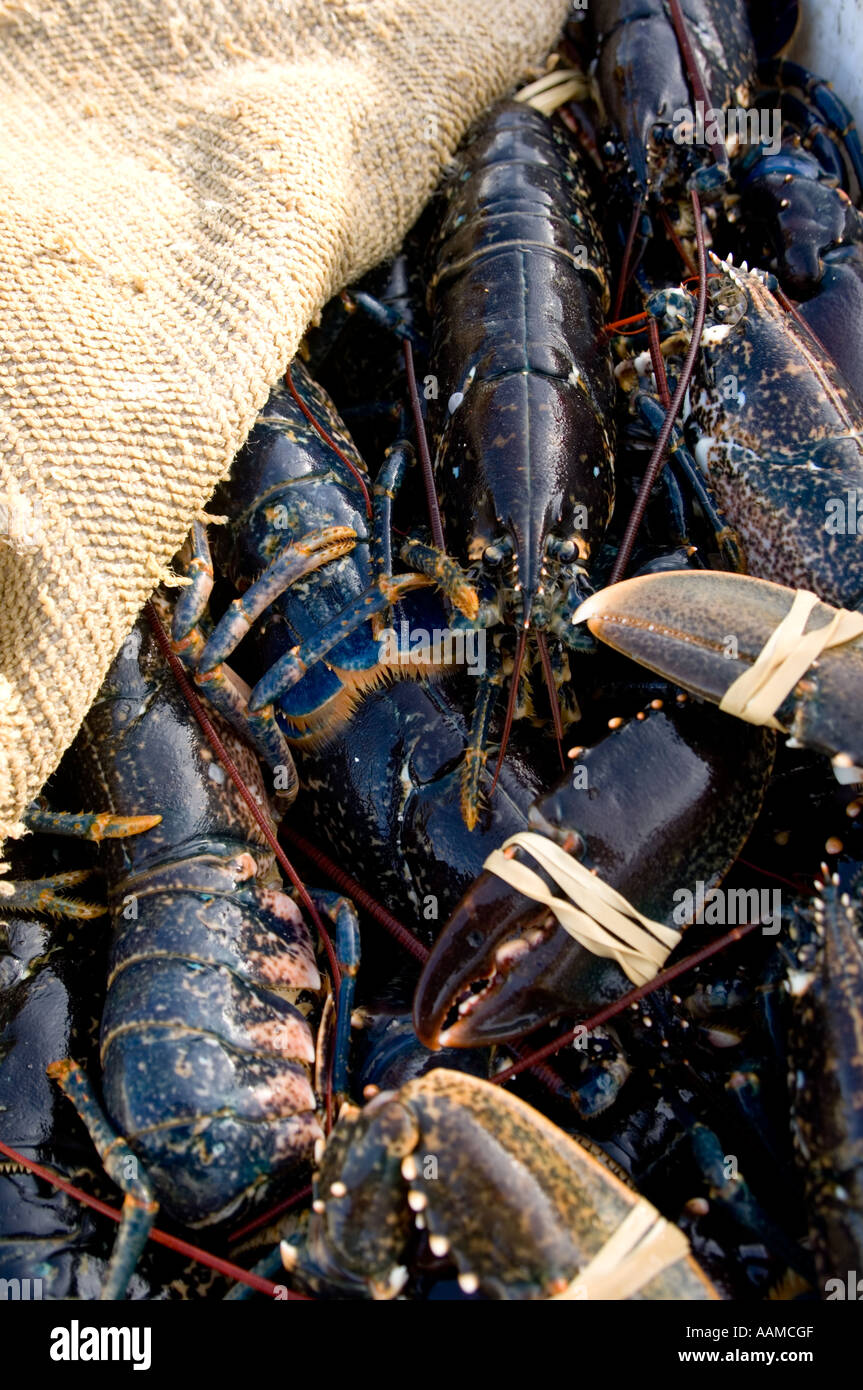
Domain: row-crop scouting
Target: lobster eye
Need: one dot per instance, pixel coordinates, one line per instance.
(492, 555)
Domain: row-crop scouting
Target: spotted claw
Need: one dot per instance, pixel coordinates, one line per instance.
(704, 630)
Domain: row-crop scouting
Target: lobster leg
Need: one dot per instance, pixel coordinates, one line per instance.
(434, 567)
(47, 895)
(121, 1165)
(295, 562)
(444, 572)
(224, 690)
(727, 540)
(343, 915)
(437, 566)
(384, 315)
(193, 598)
(434, 563)
(87, 826)
(290, 669)
(227, 694)
(839, 127)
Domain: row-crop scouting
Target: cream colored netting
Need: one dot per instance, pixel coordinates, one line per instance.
(182, 186)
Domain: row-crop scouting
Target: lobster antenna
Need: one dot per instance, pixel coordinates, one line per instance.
(266, 1217)
(510, 706)
(626, 1001)
(791, 308)
(552, 695)
(423, 446)
(328, 439)
(623, 279)
(657, 458)
(182, 1247)
(658, 364)
(696, 80)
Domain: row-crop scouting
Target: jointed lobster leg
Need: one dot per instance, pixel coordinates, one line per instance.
(47, 894)
(139, 1203)
(293, 563)
(225, 691)
(346, 940)
(728, 541)
(96, 826)
(300, 559)
(827, 126)
(435, 567)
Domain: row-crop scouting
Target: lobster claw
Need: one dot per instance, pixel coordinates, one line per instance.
(507, 1202)
(501, 967)
(704, 630)
(645, 810)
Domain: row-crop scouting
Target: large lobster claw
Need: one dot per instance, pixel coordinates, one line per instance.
(703, 630)
(661, 803)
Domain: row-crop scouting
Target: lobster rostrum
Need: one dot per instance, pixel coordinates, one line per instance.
(659, 804)
(206, 949)
(311, 553)
(524, 422)
(772, 439)
(516, 1207)
(705, 630)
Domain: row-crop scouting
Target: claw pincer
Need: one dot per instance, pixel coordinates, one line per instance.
(519, 1209)
(654, 807)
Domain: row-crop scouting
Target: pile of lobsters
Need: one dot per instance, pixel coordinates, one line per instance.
(456, 887)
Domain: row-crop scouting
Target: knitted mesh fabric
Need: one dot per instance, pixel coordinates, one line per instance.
(183, 184)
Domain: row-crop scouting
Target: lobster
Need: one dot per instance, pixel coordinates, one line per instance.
(524, 415)
(503, 965)
(313, 558)
(206, 945)
(767, 462)
(796, 216)
(503, 1197)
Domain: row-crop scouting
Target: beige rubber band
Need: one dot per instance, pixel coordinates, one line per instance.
(594, 914)
(643, 1245)
(785, 657)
